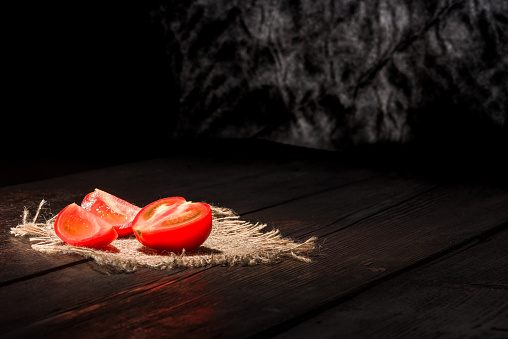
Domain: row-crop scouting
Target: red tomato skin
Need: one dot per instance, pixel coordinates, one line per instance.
(97, 203)
(123, 230)
(105, 236)
(188, 235)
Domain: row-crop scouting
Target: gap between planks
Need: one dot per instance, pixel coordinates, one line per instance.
(44, 272)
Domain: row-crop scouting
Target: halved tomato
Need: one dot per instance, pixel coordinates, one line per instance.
(78, 227)
(173, 224)
(113, 210)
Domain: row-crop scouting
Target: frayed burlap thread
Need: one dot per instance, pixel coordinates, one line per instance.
(232, 242)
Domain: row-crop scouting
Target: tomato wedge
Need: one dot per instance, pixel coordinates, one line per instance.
(113, 210)
(78, 227)
(173, 224)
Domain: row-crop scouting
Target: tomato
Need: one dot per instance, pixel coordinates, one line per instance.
(78, 227)
(173, 224)
(113, 210)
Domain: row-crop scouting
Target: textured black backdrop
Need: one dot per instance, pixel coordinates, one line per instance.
(117, 80)
(330, 74)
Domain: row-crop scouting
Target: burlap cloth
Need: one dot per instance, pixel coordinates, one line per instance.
(231, 242)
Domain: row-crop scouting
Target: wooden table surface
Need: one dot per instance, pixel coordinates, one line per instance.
(404, 251)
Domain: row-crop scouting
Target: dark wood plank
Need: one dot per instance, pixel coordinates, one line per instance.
(235, 184)
(19, 260)
(16, 256)
(372, 188)
(462, 295)
(266, 299)
(67, 293)
(392, 241)
(33, 168)
(332, 210)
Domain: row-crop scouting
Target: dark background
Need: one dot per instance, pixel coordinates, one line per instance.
(92, 84)
(87, 87)
(86, 80)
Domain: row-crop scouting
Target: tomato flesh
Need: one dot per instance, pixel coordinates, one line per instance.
(113, 210)
(156, 208)
(78, 227)
(173, 224)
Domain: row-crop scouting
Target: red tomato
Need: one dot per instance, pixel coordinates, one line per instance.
(113, 210)
(78, 227)
(173, 224)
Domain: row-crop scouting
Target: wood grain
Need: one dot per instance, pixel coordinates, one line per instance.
(235, 184)
(383, 234)
(462, 295)
(372, 230)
